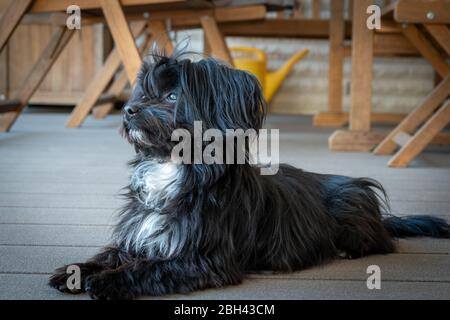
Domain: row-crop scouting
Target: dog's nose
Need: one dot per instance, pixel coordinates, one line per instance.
(130, 110)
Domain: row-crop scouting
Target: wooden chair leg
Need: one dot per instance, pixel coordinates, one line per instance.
(11, 18)
(415, 118)
(57, 43)
(122, 36)
(99, 84)
(161, 37)
(422, 138)
(215, 39)
(335, 117)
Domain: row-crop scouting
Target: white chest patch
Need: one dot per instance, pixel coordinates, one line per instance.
(155, 183)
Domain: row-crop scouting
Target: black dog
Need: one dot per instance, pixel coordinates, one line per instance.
(190, 227)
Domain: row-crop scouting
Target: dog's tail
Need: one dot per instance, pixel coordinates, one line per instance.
(417, 226)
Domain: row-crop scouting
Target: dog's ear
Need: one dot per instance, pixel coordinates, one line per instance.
(220, 96)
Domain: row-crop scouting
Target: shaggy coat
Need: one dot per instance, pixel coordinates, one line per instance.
(188, 227)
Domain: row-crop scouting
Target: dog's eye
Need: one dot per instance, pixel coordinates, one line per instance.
(143, 97)
(172, 97)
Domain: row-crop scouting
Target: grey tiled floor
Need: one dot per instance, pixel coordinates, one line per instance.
(58, 197)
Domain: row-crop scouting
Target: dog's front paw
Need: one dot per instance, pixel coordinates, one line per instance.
(108, 285)
(70, 278)
(62, 281)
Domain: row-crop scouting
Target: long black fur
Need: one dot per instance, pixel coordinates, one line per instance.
(223, 221)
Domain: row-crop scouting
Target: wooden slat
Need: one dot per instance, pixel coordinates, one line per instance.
(427, 49)
(388, 45)
(393, 44)
(298, 28)
(362, 57)
(57, 43)
(190, 18)
(180, 18)
(123, 37)
(422, 11)
(422, 138)
(441, 34)
(216, 39)
(55, 19)
(336, 57)
(61, 5)
(416, 117)
(244, 13)
(10, 19)
(100, 82)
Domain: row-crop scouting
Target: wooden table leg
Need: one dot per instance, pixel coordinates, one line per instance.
(335, 117)
(11, 18)
(99, 83)
(57, 43)
(362, 61)
(162, 39)
(216, 40)
(359, 138)
(122, 36)
(415, 118)
(422, 138)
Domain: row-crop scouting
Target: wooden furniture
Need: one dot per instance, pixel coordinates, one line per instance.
(101, 80)
(115, 14)
(181, 18)
(425, 24)
(10, 109)
(359, 136)
(388, 41)
(67, 79)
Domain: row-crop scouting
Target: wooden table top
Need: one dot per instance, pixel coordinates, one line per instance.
(41, 6)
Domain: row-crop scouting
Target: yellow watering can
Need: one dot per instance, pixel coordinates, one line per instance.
(254, 61)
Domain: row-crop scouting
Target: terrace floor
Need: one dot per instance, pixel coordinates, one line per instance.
(59, 193)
